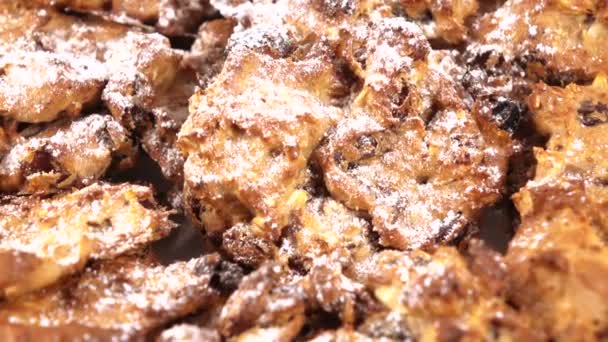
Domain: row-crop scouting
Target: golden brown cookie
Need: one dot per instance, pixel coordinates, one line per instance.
(557, 260)
(251, 132)
(408, 152)
(120, 299)
(43, 240)
(66, 154)
(575, 119)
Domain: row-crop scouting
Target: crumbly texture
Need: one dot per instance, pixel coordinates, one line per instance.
(62, 85)
(325, 226)
(66, 47)
(574, 118)
(395, 296)
(66, 154)
(409, 152)
(549, 37)
(208, 52)
(170, 17)
(247, 150)
(117, 299)
(442, 296)
(558, 257)
(403, 91)
(43, 240)
(156, 117)
(275, 303)
(78, 62)
(441, 19)
(332, 168)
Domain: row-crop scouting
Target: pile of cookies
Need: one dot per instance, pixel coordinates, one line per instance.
(334, 163)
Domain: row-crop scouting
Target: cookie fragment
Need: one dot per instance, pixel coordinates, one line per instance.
(62, 85)
(247, 148)
(170, 17)
(557, 259)
(409, 152)
(574, 118)
(66, 154)
(77, 55)
(557, 41)
(42, 240)
(124, 298)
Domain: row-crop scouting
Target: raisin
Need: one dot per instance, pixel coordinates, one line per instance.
(508, 114)
(590, 114)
